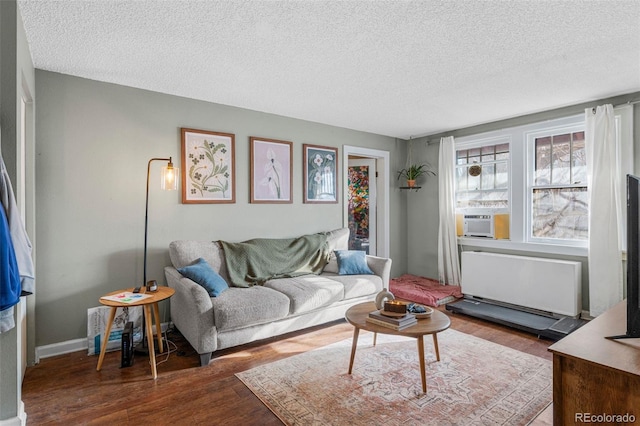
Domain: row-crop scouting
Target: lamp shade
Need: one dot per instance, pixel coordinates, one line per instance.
(169, 177)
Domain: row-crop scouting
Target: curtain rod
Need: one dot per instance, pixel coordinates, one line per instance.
(619, 105)
(431, 141)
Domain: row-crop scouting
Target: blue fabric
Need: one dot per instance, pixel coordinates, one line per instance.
(10, 286)
(201, 273)
(352, 262)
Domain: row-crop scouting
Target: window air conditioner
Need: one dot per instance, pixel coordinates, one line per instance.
(478, 225)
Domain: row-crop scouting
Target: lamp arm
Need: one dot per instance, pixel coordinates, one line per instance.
(146, 216)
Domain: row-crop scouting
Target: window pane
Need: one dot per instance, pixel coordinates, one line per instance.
(543, 161)
(488, 176)
(489, 188)
(461, 156)
(488, 153)
(561, 166)
(474, 155)
(496, 199)
(502, 175)
(578, 159)
(461, 178)
(560, 213)
(502, 151)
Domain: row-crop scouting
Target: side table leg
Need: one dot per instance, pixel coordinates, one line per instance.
(152, 352)
(435, 346)
(375, 338)
(422, 363)
(156, 314)
(354, 345)
(103, 349)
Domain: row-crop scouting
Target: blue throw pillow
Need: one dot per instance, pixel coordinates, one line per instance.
(201, 273)
(352, 262)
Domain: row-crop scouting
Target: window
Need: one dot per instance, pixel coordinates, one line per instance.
(536, 174)
(558, 199)
(482, 177)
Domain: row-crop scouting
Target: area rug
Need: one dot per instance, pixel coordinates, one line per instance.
(476, 382)
(423, 290)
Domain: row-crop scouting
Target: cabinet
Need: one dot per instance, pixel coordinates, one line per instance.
(594, 376)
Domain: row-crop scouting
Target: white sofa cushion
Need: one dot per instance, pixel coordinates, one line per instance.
(242, 307)
(358, 285)
(308, 292)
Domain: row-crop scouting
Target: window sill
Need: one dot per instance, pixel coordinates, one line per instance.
(523, 247)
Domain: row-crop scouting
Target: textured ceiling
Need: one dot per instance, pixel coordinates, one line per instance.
(396, 68)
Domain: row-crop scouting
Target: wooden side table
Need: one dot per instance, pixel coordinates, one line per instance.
(147, 304)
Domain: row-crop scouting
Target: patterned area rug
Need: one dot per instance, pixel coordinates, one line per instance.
(475, 383)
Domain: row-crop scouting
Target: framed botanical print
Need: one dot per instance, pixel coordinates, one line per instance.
(320, 174)
(271, 171)
(208, 167)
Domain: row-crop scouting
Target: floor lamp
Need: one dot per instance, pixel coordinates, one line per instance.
(169, 182)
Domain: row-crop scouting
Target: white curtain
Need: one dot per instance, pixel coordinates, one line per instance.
(448, 263)
(605, 210)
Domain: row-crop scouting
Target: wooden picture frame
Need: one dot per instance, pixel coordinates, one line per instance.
(208, 167)
(271, 171)
(320, 174)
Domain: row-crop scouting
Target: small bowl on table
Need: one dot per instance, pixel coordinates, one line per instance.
(419, 311)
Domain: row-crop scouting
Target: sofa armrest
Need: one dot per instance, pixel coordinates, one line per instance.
(381, 266)
(192, 312)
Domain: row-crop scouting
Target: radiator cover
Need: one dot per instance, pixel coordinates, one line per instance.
(549, 285)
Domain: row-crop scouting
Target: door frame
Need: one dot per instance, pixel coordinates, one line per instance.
(383, 186)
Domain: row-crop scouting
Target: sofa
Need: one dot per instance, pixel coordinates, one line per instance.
(244, 313)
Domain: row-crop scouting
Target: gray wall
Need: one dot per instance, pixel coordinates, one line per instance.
(93, 143)
(422, 206)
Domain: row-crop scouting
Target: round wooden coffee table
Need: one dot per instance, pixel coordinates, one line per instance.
(357, 316)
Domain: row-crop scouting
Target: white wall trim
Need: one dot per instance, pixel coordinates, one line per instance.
(75, 345)
(20, 419)
(61, 348)
(383, 168)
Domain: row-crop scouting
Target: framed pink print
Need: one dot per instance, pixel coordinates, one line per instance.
(271, 171)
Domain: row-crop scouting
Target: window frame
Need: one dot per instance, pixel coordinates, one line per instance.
(530, 141)
(520, 159)
(478, 143)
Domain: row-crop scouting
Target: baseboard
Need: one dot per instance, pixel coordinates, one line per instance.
(69, 346)
(19, 420)
(61, 348)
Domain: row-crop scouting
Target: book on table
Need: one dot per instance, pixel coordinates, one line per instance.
(395, 323)
(392, 320)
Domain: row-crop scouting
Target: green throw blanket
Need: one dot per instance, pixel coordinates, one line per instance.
(256, 261)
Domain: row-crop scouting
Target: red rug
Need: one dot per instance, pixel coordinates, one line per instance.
(423, 290)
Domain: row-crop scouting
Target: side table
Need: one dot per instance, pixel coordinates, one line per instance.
(147, 303)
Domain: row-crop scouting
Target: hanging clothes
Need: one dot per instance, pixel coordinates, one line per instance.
(21, 242)
(10, 287)
(15, 254)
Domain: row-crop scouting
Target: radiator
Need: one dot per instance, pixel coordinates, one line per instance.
(549, 285)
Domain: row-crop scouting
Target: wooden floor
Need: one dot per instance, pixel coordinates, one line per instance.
(67, 389)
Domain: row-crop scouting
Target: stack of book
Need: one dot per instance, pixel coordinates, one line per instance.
(395, 323)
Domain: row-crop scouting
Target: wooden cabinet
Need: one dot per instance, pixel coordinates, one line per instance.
(594, 376)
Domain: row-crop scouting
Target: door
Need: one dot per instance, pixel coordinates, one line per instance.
(362, 205)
